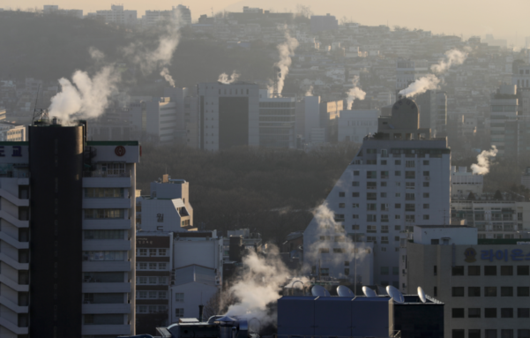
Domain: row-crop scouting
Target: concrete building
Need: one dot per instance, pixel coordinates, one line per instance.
(433, 111)
(408, 71)
(483, 283)
(308, 120)
(322, 23)
(67, 236)
(118, 15)
(277, 122)
(464, 182)
(504, 106)
(521, 74)
(354, 125)
(228, 115)
(398, 179)
(10, 131)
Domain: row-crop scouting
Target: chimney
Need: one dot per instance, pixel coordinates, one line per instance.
(201, 307)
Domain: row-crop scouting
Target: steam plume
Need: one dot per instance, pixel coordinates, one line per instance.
(84, 97)
(430, 81)
(355, 92)
(309, 91)
(259, 285)
(420, 86)
(165, 74)
(285, 49)
(483, 159)
(96, 54)
(228, 79)
(452, 57)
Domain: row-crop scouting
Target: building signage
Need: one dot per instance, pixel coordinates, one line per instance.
(470, 254)
(505, 255)
(119, 151)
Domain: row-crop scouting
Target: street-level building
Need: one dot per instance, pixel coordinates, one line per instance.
(67, 235)
(483, 283)
(400, 177)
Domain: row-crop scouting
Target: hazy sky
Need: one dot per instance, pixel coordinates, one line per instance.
(506, 18)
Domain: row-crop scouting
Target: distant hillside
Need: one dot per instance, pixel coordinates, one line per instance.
(53, 46)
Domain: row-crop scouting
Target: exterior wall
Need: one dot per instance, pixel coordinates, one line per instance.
(277, 122)
(161, 119)
(207, 253)
(354, 125)
(422, 260)
(195, 294)
(307, 116)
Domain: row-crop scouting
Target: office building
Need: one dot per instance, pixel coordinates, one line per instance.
(118, 15)
(504, 106)
(10, 131)
(228, 115)
(464, 183)
(277, 122)
(354, 125)
(322, 23)
(521, 74)
(433, 111)
(329, 119)
(67, 236)
(308, 120)
(408, 71)
(400, 177)
(483, 283)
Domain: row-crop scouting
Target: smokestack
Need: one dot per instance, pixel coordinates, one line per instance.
(201, 307)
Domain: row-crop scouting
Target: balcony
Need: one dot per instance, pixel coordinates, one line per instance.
(106, 308)
(106, 244)
(106, 287)
(107, 182)
(107, 266)
(13, 327)
(14, 220)
(14, 199)
(107, 203)
(106, 330)
(107, 224)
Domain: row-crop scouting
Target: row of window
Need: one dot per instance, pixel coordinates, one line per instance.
(103, 193)
(373, 185)
(372, 196)
(385, 206)
(105, 255)
(151, 294)
(151, 252)
(490, 291)
(384, 218)
(408, 164)
(492, 333)
(491, 270)
(151, 308)
(151, 266)
(151, 280)
(384, 174)
(104, 213)
(104, 234)
(491, 312)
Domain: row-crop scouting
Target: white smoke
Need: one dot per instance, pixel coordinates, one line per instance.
(355, 92)
(452, 57)
(420, 86)
(228, 79)
(84, 97)
(260, 284)
(96, 54)
(165, 74)
(285, 49)
(309, 91)
(482, 167)
(331, 235)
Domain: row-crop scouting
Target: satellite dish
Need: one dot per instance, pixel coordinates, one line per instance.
(344, 291)
(319, 291)
(396, 295)
(421, 294)
(369, 292)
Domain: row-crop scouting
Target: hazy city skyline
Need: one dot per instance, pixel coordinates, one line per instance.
(474, 17)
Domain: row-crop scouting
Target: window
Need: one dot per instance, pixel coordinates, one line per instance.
(324, 250)
(458, 271)
(112, 169)
(410, 174)
(523, 312)
(104, 213)
(474, 333)
(507, 333)
(426, 173)
(103, 193)
(342, 205)
(371, 185)
(384, 270)
(523, 270)
(355, 227)
(356, 173)
(506, 313)
(523, 291)
(371, 196)
(425, 217)
(371, 174)
(523, 333)
(395, 270)
(425, 162)
(161, 252)
(489, 291)
(347, 272)
(397, 206)
(384, 218)
(458, 334)
(409, 164)
(383, 162)
(339, 250)
(179, 312)
(410, 185)
(458, 313)
(435, 270)
(104, 234)
(371, 218)
(425, 184)
(425, 195)
(384, 175)
(383, 184)
(342, 194)
(490, 312)
(409, 197)
(435, 241)
(473, 291)
(490, 333)
(103, 319)
(104, 255)
(384, 207)
(397, 162)
(490, 270)
(355, 194)
(355, 216)
(162, 266)
(324, 272)
(425, 206)
(383, 194)
(384, 228)
(397, 173)
(179, 297)
(410, 207)
(458, 291)
(355, 205)
(355, 184)
(506, 291)
(473, 313)
(371, 206)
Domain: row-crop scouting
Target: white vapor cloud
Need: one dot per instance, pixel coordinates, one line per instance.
(355, 92)
(452, 57)
(228, 79)
(482, 167)
(309, 91)
(285, 49)
(165, 74)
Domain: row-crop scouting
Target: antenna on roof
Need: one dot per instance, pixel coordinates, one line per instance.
(319, 291)
(396, 295)
(421, 294)
(35, 105)
(344, 291)
(368, 292)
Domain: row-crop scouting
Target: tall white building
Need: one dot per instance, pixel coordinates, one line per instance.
(118, 15)
(308, 120)
(68, 236)
(399, 178)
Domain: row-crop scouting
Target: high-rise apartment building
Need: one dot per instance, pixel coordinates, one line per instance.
(399, 178)
(504, 106)
(433, 111)
(277, 122)
(67, 235)
(408, 71)
(228, 115)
